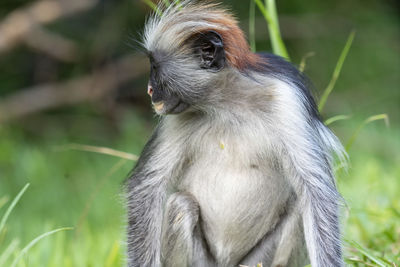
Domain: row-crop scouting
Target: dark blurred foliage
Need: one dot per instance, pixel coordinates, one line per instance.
(370, 77)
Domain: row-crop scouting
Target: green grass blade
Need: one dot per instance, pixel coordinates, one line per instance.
(166, 3)
(153, 6)
(384, 117)
(178, 4)
(94, 193)
(303, 61)
(278, 46)
(252, 26)
(5, 255)
(34, 241)
(263, 10)
(99, 150)
(150, 4)
(356, 260)
(342, 165)
(336, 72)
(366, 253)
(361, 228)
(336, 118)
(113, 255)
(268, 10)
(11, 207)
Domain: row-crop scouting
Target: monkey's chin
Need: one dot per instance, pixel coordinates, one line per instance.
(179, 108)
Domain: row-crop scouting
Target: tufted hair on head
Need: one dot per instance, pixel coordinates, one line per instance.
(170, 28)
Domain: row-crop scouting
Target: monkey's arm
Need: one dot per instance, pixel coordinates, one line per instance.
(306, 147)
(290, 250)
(284, 245)
(183, 241)
(146, 193)
(310, 173)
(321, 225)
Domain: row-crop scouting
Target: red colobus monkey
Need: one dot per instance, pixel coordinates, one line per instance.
(239, 169)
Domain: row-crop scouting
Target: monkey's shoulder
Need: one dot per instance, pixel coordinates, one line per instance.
(278, 67)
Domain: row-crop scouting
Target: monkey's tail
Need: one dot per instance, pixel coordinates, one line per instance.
(337, 154)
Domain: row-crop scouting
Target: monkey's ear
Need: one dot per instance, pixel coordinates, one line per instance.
(210, 48)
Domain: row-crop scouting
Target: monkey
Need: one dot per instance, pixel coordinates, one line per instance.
(239, 170)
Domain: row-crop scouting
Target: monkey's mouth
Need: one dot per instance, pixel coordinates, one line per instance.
(165, 102)
(163, 107)
(159, 106)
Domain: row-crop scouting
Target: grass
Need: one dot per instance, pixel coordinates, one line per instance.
(67, 188)
(81, 189)
(371, 187)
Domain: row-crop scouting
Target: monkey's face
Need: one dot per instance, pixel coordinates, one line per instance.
(182, 77)
(165, 100)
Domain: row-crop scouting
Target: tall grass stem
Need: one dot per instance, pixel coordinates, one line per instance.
(252, 26)
(34, 241)
(153, 7)
(94, 193)
(354, 136)
(11, 207)
(336, 118)
(99, 150)
(278, 46)
(269, 12)
(366, 253)
(166, 3)
(336, 72)
(303, 62)
(8, 251)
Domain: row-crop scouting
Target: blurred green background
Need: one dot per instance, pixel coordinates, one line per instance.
(72, 72)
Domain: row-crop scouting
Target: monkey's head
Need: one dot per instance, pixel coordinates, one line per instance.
(193, 48)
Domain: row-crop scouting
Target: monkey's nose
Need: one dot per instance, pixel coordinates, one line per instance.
(149, 90)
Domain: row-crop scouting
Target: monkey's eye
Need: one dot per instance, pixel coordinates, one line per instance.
(154, 67)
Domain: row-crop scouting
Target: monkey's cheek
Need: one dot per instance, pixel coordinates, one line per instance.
(159, 107)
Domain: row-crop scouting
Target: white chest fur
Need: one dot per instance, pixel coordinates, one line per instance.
(226, 170)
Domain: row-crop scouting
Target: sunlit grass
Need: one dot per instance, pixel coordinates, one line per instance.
(12, 247)
(370, 189)
(67, 187)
